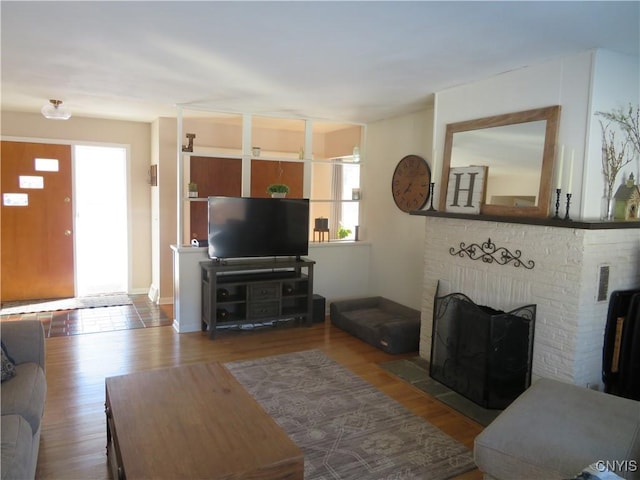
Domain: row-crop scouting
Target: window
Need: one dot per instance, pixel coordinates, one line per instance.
(335, 178)
(15, 199)
(348, 216)
(46, 165)
(31, 181)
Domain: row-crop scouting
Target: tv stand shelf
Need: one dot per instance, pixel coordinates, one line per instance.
(244, 292)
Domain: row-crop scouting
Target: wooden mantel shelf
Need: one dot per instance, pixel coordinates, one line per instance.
(547, 222)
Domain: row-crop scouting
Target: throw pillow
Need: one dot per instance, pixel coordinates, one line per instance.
(8, 366)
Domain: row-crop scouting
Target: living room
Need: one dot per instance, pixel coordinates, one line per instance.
(386, 139)
(389, 260)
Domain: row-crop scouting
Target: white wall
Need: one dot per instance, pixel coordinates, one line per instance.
(616, 83)
(164, 203)
(397, 238)
(581, 84)
(564, 82)
(342, 270)
(134, 135)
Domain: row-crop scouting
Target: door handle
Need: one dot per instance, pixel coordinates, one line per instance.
(67, 233)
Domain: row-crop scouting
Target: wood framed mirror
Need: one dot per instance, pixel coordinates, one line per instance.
(519, 151)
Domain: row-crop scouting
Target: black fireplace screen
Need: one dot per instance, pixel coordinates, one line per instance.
(482, 353)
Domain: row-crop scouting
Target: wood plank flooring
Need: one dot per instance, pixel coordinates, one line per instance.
(74, 432)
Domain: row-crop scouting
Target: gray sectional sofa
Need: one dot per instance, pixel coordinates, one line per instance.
(23, 398)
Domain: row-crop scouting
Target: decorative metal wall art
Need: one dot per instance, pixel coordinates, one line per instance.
(489, 253)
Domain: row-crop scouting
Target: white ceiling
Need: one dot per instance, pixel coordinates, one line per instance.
(346, 61)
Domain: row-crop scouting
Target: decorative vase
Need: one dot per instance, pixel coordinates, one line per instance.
(608, 208)
(278, 195)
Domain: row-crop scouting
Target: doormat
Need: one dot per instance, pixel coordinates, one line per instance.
(415, 371)
(51, 305)
(347, 428)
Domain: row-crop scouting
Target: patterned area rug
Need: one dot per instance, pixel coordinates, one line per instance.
(347, 428)
(36, 306)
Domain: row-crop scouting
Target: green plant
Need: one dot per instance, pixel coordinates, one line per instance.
(278, 188)
(343, 232)
(193, 187)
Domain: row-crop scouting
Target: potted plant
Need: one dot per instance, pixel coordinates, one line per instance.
(278, 190)
(343, 232)
(193, 190)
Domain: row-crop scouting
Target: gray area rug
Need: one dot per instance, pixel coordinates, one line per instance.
(416, 371)
(347, 428)
(50, 305)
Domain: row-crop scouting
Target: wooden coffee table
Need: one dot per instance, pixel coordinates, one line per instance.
(193, 422)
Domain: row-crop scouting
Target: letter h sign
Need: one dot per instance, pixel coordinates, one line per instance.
(466, 189)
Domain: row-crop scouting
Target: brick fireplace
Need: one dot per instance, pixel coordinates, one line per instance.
(567, 282)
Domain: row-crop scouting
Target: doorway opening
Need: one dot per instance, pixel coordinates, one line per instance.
(101, 246)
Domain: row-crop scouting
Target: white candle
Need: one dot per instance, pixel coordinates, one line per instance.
(560, 167)
(434, 162)
(570, 172)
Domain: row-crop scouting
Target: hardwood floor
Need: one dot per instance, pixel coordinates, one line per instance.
(74, 432)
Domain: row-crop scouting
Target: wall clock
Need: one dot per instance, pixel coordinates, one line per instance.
(410, 183)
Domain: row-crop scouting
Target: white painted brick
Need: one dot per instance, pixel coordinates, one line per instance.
(563, 284)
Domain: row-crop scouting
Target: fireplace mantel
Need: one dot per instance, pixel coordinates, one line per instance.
(547, 222)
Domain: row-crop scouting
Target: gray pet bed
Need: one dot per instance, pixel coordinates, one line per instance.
(380, 322)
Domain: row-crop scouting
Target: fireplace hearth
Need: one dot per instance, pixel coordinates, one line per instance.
(480, 352)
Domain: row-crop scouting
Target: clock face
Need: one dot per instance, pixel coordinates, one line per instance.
(410, 183)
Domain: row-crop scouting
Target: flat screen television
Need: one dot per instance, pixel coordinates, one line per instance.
(258, 227)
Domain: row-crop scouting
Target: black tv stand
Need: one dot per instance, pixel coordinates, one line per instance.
(256, 291)
(246, 261)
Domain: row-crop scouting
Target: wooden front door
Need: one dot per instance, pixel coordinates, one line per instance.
(37, 223)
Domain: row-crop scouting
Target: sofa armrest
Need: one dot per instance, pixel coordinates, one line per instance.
(24, 341)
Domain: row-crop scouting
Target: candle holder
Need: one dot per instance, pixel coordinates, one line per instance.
(558, 191)
(566, 215)
(431, 186)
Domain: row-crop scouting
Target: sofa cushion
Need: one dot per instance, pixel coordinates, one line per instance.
(554, 429)
(25, 394)
(16, 448)
(8, 365)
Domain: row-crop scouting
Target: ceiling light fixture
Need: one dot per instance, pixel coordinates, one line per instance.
(54, 111)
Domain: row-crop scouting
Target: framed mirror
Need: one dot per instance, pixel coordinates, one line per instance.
(518, 150)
